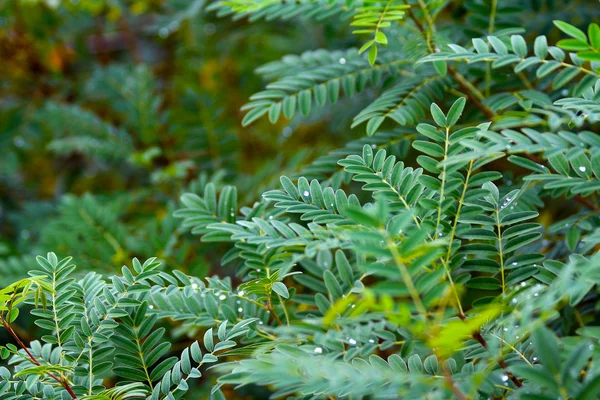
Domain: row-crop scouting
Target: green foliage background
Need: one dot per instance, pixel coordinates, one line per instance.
(162, 128)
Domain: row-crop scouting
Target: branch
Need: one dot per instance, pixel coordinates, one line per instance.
(63, 381)
(471, 92)
(477, 336)
(579, 198)
(474, 95)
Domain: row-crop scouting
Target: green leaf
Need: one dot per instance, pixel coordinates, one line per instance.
(281, 289)
(594, 35)
(253, 115)
(589, 56)
(208, 340)
(289, 106)
(441, 66)
(372, 54)
(546, 349)
(438, 115)
(305, 100)
(540, 47)
(528, 164)
(570, 30)
(519, 45)
(455, 111)
(572, 45)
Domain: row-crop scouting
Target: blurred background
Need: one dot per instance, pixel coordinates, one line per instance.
(109, 110)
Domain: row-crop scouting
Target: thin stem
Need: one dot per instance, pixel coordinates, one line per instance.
(475, 96)
(491, 27)
(453, 387)
(273, 313)
(439, 220)
(430, 23)
(381, 18)
(477, 336)
(500, 250)
(287, 317)
(455, 225)
(471, 91)
(91, 369)
(407, 278)
(513, 348)
(63, 381)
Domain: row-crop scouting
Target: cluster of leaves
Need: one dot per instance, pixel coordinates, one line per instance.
(451, 251)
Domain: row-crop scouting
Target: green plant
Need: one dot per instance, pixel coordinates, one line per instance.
(452, 252)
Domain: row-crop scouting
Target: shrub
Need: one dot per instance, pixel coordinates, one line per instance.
(452, 252)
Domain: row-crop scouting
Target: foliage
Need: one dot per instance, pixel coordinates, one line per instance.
(448, 248)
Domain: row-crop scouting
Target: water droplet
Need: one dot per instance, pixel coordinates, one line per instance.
(437, 50)
(318, 350)
(505, 329)
(504, 378)
(523, 284)
(195, 286)
(515, 264)
(222, 297)
(305, 193)
(151, 307)
(241, 293)
(371, 341)
(374, 146)
(582, 168)
(240, 309)
(534, 358)
(352, 342)
(260, 322)
(514, 300)
(342, 60)
(564, 92)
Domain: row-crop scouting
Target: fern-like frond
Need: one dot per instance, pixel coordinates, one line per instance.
(406, 103)
(72, 129)
(372, 18)
(320, 82)
(284, 10)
